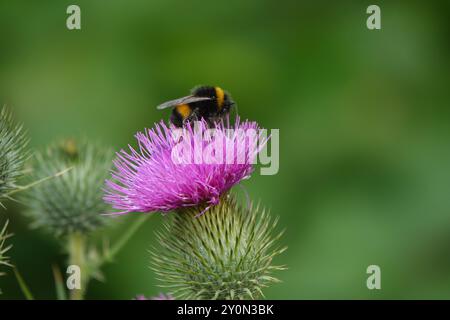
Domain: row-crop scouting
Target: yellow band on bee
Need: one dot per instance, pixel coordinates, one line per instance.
(220, 97)
(184, 110)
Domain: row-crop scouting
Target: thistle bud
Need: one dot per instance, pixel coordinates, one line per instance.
(13, 143)
(226, 253)
(71, 203)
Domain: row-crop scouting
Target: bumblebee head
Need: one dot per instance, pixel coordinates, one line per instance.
(224, 101)
(227, 103)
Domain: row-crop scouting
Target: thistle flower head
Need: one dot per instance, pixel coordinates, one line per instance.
(13, 143)
(177, 168)
(71, 202)
(225, 254)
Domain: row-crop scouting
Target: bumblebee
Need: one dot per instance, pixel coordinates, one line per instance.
(205, 102)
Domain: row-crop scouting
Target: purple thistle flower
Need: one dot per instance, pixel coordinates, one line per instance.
(177, 168)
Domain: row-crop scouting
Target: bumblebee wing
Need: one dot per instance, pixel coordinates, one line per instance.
(184, 100)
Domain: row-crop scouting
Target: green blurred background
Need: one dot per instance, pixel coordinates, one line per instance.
(364, 119)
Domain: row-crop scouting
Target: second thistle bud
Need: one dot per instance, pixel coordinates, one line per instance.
(72, 202)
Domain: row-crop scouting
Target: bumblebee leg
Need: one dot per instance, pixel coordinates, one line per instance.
(194, 116)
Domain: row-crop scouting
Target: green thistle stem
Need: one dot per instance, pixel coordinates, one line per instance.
(77, 256)
(59, 283)
(22, 284)
(77, 253)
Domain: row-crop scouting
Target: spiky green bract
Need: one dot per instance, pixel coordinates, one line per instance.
(13, 144)
(4, 260)
(226, 253)
(71, 203)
